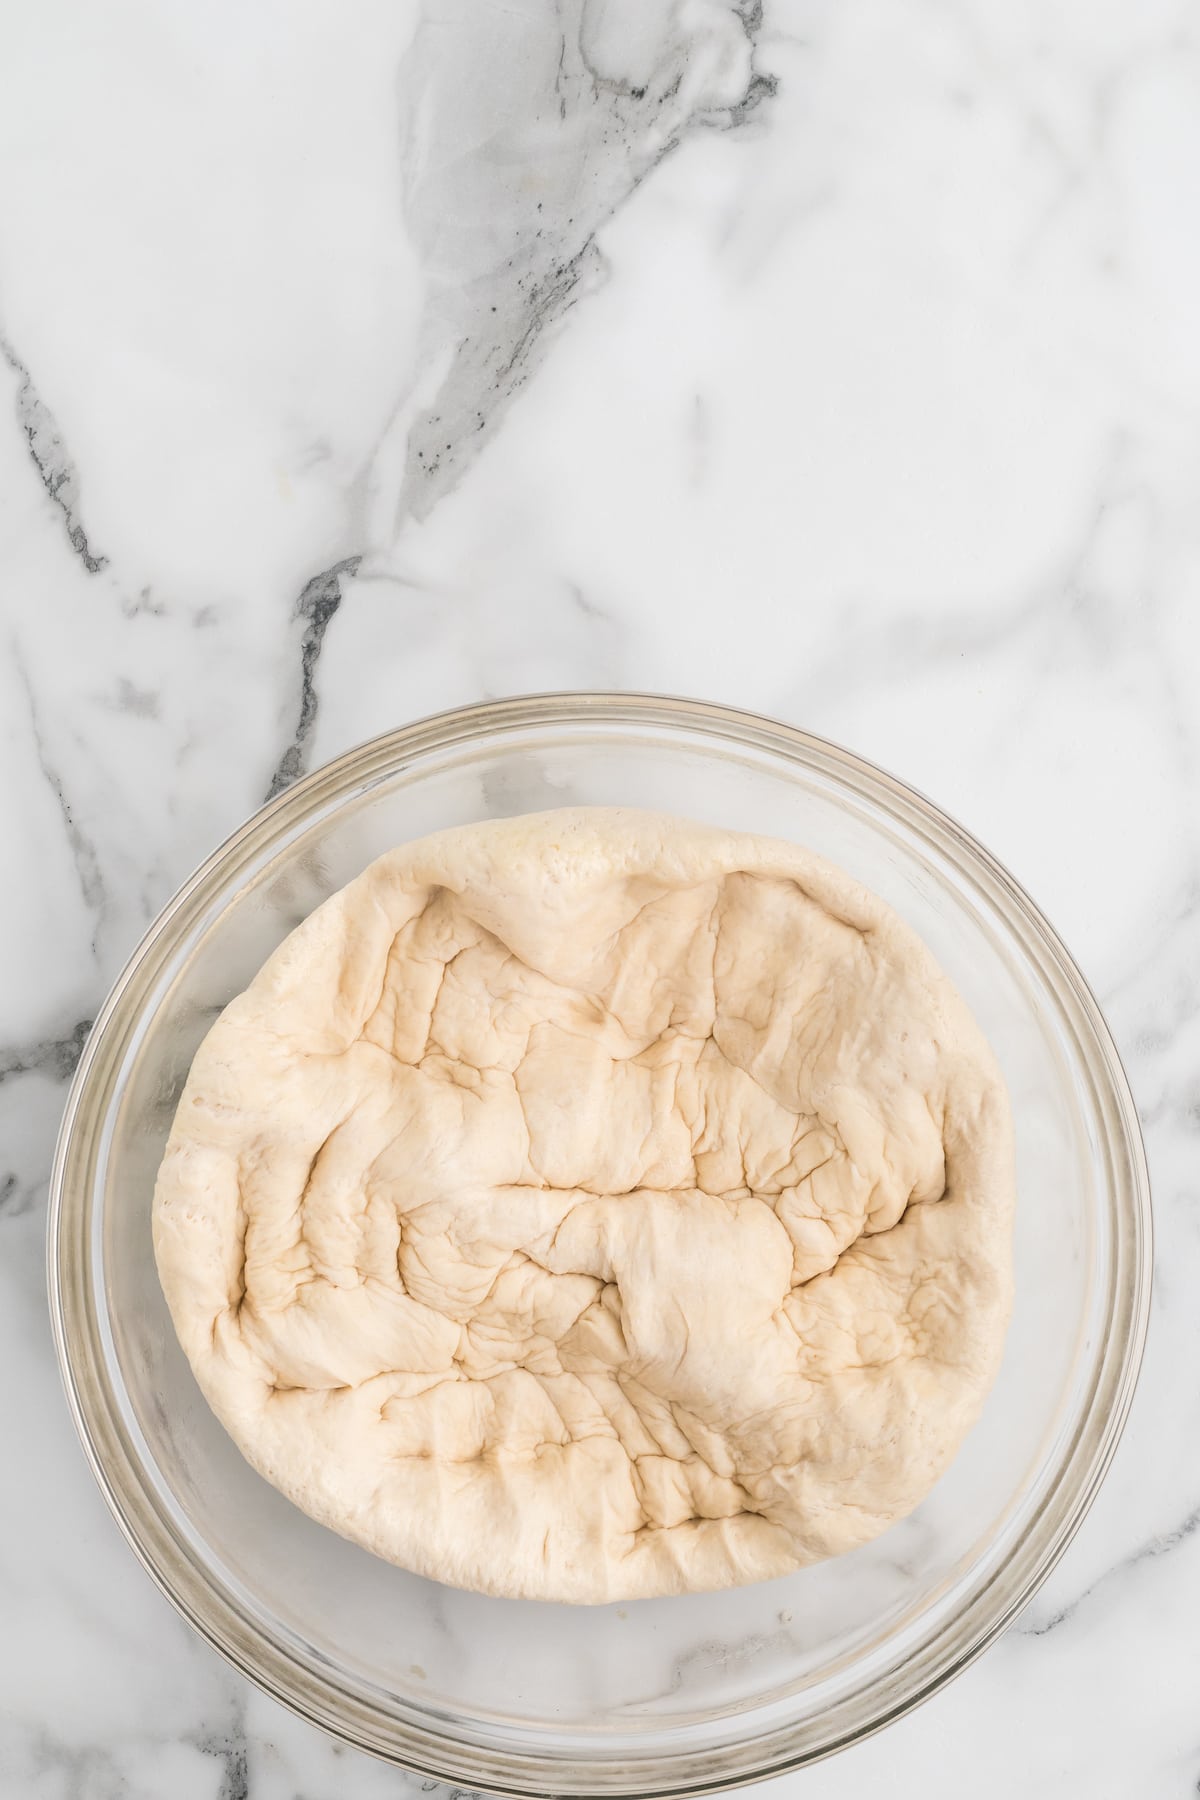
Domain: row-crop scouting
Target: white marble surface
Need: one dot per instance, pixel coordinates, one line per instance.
(841, 361)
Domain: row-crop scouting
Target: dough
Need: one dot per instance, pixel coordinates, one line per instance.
(594, 1205)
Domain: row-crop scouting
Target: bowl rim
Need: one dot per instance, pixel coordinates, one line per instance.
(534, 1775)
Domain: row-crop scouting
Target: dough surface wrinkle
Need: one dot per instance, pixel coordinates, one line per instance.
(593, 1205)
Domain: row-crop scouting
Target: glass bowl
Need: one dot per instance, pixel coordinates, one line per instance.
(654, 1697)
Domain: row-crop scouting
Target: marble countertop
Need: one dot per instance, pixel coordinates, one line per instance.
(837, 361)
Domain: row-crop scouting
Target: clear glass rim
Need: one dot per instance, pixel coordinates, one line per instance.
(336, 1707)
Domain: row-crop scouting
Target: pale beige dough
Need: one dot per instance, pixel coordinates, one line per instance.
(594, 1205)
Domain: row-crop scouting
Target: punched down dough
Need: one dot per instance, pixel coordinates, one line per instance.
(594, 1205)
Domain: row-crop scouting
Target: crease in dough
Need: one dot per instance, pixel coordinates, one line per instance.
(593, 1205)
